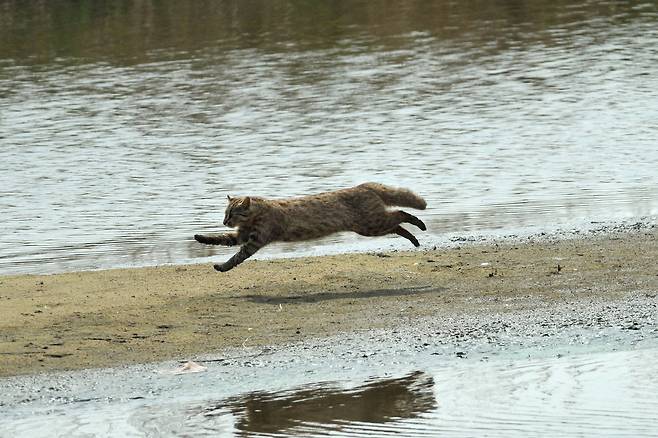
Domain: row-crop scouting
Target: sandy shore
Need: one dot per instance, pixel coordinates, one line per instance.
(103, 318)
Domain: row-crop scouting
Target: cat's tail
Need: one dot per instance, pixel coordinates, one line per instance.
(398, 197)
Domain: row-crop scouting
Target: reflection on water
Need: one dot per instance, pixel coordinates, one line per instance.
(608, 394)
(124, 124)
(323, 406)
(587, 395)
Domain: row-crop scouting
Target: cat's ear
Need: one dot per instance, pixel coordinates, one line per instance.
(229, 198)
(246, 202)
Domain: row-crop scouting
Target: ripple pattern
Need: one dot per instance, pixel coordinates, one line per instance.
(500, 116)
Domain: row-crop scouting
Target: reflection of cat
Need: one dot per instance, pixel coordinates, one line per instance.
(323, 408)
(361, 209)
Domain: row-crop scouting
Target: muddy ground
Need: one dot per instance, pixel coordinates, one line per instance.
(80, 320)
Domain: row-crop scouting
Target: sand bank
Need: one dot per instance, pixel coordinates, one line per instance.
(104, 318)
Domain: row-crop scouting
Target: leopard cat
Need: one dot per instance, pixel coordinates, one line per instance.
(361, 209)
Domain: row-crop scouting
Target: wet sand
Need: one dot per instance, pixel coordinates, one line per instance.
(124, 316)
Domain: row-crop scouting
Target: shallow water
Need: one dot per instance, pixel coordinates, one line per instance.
(594, 394)
(124, 125)
(600, 395)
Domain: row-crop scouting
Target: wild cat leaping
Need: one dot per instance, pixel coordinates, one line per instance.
(361, 209)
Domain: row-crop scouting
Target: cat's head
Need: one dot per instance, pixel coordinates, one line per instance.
(238, 211)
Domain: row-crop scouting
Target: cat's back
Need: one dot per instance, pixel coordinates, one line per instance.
(338, 200)
(314, 216)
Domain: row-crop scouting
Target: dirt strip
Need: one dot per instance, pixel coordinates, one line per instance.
(104, 318)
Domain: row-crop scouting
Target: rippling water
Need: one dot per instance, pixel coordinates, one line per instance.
(123, 125)
(600, 395)
(593, 395)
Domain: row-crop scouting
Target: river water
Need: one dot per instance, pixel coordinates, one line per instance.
(560, 386)
(124, 125)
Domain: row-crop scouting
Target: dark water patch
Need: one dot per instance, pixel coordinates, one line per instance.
(88, 31)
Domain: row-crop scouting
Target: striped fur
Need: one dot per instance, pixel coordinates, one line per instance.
(361, 209)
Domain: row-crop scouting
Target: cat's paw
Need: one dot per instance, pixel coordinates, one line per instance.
(222, 267)
(200, 238)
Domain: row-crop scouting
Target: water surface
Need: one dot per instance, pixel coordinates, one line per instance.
(597, 395)
(586, 395)
(123, 125)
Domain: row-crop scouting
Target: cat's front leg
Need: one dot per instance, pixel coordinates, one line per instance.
(250, 247)
(228, 239)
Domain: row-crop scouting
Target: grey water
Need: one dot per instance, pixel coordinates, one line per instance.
(123, 125)
(590, 390)
(599, 395)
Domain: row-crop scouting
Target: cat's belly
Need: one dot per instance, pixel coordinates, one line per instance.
(300, 233)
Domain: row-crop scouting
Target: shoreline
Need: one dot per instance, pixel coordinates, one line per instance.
(94, 319)
(365, 245)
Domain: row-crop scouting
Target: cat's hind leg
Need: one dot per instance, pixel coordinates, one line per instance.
(386, 223)
(407, 235)
(413, 220)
